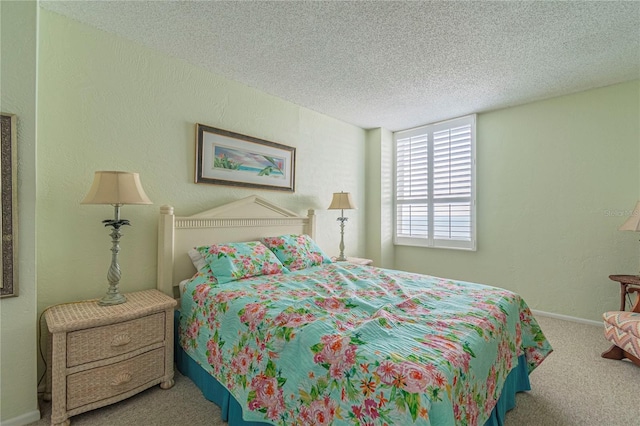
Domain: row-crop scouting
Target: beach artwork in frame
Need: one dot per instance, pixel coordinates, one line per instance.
(228, 158)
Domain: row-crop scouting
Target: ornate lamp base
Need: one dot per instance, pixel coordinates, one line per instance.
(112, 298)
(341, 257)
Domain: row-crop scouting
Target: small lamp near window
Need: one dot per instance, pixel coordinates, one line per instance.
(117, 189)
(633, 222)
(342, 201)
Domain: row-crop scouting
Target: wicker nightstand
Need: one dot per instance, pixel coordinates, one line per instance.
(356, 260)
(104, 354)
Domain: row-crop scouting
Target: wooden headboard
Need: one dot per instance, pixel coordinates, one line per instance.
(248, 219)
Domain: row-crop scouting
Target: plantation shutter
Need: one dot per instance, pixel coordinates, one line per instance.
(412, 186)
(435, 188)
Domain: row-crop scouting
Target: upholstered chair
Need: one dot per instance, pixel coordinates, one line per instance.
(622, 328)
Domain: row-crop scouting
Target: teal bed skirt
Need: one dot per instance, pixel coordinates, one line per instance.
(517, 381)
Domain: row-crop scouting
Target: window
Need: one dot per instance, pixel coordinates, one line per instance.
(435, 185)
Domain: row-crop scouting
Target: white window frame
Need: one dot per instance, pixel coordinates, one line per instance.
(429, 240)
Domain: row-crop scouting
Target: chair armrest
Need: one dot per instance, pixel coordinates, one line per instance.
(636, 306)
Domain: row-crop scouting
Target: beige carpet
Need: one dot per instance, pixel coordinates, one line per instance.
(573, 387)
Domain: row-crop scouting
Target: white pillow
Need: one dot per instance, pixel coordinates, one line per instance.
(197, 259)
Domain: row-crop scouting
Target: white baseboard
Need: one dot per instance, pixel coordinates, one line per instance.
(25, 419)
(567, 318)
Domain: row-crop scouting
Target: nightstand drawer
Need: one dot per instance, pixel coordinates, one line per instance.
(100, 383)
(97, 343)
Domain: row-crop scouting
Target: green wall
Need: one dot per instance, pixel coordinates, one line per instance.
(555, 179)
(106, 103)
(18, 317)
(379, 164)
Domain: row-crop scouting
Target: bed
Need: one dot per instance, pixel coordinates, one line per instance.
(325, 343)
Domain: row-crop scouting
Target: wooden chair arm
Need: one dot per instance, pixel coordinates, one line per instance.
(636, 306)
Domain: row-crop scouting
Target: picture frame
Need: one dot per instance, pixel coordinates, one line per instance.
(9, 205)
(233, 159)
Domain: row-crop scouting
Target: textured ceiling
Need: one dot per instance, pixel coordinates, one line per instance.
(388, 64)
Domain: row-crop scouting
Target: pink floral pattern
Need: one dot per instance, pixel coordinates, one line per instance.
(336, 353)
(344, 344)
(266, 396)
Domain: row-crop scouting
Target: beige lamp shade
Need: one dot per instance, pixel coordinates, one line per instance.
(116, 188)
(342, 201)
(633, 223)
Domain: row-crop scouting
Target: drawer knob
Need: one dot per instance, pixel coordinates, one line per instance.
(121, 379)
(121, 340)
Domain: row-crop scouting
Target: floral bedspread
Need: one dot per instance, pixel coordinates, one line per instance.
(341, 344)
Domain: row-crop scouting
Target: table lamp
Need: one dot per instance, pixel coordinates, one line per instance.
(342, 201)
(117, 189)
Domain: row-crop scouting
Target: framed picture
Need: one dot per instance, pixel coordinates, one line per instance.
(8, 189)
(227, 158)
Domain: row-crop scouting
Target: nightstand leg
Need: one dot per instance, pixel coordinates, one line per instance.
(168, 381)
(167, 385)
(47, 386)
(59, 415)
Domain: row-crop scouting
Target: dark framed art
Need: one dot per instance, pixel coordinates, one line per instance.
(8, 187)
(228, 158)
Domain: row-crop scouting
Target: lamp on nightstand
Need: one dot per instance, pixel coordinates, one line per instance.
(342, 201)
(633, 222)
(117, 189)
